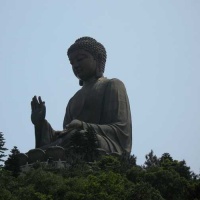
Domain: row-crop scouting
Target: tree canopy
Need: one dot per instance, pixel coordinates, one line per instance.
(2, 148)
(109, 178)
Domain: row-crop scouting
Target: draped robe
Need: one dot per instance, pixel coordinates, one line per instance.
(102, 105)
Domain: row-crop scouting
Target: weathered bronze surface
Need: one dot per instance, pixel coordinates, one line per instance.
(101, 104)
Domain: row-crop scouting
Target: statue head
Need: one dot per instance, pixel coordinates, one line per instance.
(93, 47)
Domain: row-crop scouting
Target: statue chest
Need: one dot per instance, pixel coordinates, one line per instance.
(87, 104)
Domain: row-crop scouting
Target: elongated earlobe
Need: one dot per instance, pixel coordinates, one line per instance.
(80, 82)
(98, 72)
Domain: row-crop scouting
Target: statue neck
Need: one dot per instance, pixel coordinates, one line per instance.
(89, 81)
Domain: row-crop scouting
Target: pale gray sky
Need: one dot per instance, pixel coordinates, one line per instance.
(152, 46)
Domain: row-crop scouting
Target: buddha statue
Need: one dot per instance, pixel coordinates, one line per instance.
(101, 104)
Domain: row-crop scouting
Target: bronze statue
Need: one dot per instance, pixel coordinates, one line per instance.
(101, 104)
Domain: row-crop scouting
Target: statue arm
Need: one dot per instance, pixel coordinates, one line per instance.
(44, 134)
(67, 118)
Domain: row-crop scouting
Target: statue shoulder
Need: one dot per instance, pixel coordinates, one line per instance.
(112, 80)
(116, 82)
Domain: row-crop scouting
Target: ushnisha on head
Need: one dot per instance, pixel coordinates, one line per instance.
(95, 48)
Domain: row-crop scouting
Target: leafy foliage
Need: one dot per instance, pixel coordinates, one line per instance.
(12, 163)
(172, 178)
(2, 148)
(151, 160)
(103, 179)
(167, 162)
(84, 144)
(111, 177)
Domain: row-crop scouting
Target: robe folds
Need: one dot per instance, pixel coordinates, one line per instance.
(102, 105)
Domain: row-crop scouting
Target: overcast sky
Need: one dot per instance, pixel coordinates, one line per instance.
(152, 46)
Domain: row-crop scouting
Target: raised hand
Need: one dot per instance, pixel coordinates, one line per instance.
(38, 111)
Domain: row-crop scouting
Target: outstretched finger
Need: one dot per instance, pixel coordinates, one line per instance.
(35, 102)
(40, 100)
(41, 103)
(32, 105)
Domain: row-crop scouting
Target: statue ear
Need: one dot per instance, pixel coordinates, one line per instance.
(98, 68)
(80, 82)
(99, 71)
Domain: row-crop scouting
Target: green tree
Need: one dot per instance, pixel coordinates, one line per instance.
(12, 163)
(103, 179)
(167, 162)
(127, 161)
(135, 174)
(151, 160)
(168, 183)
(6, 185)
(144, 191)
(2, 148)
(109, 163)
(84, 144)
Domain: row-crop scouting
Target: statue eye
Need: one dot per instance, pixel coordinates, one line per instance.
(81, 58)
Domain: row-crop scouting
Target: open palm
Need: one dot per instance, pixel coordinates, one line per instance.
(38, 110)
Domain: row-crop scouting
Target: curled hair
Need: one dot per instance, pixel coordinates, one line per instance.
(95, 48)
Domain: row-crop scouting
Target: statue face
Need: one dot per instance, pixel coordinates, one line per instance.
(83, 64)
